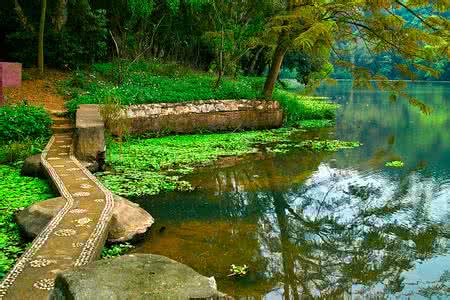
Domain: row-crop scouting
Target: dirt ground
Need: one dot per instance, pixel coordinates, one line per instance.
(39, 90)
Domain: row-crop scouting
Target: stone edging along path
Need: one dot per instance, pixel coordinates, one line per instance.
(74, 237)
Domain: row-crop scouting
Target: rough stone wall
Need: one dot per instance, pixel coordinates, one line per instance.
(211, 115)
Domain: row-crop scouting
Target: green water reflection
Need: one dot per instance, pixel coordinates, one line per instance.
(325, 225)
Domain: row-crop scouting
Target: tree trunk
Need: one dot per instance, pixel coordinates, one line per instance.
(220, 69)
(275, 67)
(251, 68)
(60, 15)
(41, 38)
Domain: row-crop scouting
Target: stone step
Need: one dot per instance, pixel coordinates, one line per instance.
(57, 113)
(61, 121)
(64, 128)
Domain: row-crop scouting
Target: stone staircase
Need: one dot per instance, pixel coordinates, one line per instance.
(61, 122)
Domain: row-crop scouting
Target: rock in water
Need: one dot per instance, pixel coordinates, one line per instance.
(128, 222)
(138, 276)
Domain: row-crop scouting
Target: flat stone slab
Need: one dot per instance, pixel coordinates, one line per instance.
(138, 276)
(74, 237)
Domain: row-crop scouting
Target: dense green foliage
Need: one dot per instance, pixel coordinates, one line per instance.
(22, 122)
(155, 82)
(16, 192)
(24, 131)
(394, 38)
(75, 34)
(143, 84)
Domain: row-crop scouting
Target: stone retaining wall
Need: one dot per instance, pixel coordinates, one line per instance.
(211, 115)
(187, 117)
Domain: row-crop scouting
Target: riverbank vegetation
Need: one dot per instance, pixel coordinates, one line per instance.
(153, 81)
(24, 131)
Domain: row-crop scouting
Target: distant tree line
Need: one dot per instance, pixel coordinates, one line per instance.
(314, 39)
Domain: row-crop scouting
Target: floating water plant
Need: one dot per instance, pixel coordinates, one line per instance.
(395, 164)
(238, 270)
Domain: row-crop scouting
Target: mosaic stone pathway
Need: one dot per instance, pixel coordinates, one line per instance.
(74, 237)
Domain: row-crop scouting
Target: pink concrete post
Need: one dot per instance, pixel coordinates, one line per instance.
(10, 76)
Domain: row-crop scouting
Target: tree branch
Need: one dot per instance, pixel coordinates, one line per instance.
(22, 18)
(416, 15)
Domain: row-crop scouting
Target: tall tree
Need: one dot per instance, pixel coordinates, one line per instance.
(314, 26)
(41, 37)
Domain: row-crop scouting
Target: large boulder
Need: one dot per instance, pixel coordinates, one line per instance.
(136, 276)
(128, 222)
(32, 167)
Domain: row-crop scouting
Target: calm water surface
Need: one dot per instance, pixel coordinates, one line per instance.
(330, 225)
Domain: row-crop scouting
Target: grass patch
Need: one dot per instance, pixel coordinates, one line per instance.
(15, 192)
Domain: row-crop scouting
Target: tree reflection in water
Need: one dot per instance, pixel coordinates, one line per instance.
(339, 232)
(336, 233)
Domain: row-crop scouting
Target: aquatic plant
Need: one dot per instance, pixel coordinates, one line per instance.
(237, 270)
(395, 164)
(310, 124)
(115, 250)
(16, 192)
(151, 166)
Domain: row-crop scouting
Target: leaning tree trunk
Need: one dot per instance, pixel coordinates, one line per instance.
(275, 67)
(41, 37)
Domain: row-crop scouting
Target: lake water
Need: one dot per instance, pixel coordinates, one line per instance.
(332, 225)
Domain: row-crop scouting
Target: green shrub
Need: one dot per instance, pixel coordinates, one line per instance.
(15, 192)
(23, 122)
(18, 151)
(298, 108)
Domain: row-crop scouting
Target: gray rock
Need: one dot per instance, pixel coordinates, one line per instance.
(32, 167)
(138, 276)
(128, 222)
(92, 166)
